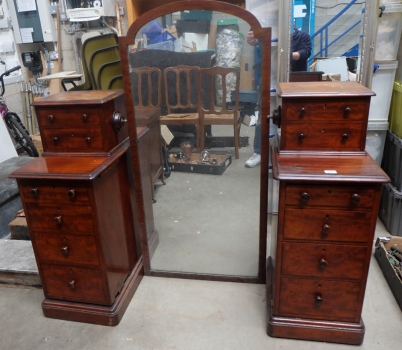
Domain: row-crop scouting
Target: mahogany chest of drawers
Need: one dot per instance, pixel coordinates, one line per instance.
(329, 192)
(79, 202)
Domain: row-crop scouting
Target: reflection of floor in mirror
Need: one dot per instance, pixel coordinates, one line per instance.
(209, 223)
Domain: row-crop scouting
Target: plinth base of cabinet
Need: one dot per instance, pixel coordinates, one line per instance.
(307, 329)
(96, 314)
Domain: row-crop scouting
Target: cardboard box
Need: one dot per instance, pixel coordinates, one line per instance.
(390, 273)
(37, 141)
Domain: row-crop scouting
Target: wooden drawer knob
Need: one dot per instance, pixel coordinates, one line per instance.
(71, 284)
(318, 300)
(326, 229)
(57, 219)
(302, 136)
(355, 198)
(34, 191)
(55, 140)
(302, 112)
(323, 263)
(64, 250)
(88, 140)
(305, 197)
(71, 193)
(50, 117)
(347, 111)
(345, 137)
(84, 117)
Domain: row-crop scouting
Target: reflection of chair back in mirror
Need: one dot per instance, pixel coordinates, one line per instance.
(222, 87)
(146, 86)
(181, 95)
(98, 59)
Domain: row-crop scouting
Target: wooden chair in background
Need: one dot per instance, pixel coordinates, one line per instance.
(216, 115)
(147, 83)
(181, 89)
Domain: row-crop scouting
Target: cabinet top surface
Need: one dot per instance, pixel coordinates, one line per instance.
(332, 89)
(72, 98)
(327, 168)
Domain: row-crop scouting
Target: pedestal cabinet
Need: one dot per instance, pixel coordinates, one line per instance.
(79, 208)
(328, 203)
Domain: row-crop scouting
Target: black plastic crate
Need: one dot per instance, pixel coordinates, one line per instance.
(392, 159)
(391, 209)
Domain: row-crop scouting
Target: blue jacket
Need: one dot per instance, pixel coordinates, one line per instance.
(301, 42)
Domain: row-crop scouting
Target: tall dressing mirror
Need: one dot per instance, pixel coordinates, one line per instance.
(210, 220)
(342, 32)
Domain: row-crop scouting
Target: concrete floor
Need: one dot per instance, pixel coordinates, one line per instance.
(183, 315)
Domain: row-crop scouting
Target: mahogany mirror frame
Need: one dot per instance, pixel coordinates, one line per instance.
(264, 34)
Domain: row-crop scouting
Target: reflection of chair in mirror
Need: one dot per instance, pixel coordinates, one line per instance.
(107, 74)
(222, 82)
(146, 85)
(181, 84)
(98, 59)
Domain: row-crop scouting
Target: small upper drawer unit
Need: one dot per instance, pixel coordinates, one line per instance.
(59, 192)
(348, 197)
(60, 118)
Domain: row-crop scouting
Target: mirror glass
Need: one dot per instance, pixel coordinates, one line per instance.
(206, 217)
(335, 31)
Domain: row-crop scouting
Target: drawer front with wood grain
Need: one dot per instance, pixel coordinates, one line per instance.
(322, 136)
(61, 192)
(73, 140)
(84, 117)
(338, 261)
(69, 219)
(348, 197)
(75, 284)
(319, 299)
(66, 249)
(327, 225)
(326, 110)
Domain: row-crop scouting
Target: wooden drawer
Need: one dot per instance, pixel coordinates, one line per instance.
(73, 140)
(323, 260)
(349, 197)
(69, 249)
(66, 116)
(310, 111)
(45, 192)
(74, 284)
(327, 225)
(63, 218)
(319, 299)
(322, 136)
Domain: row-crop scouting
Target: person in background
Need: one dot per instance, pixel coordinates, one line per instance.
(301, 50)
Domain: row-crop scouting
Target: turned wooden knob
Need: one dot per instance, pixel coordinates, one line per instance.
(50, 117)
(302, 112)
(305, 197)
(355, 198)
(71, 284)
(326, 229)
(55, 140)
(347, 111)
(57, 219)
(84, 117)
(345, 137)
(302, 136)
(88, 140)
(64, 250)
(34, 191)
(71, 193)
(323, 263)
(318, 299)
